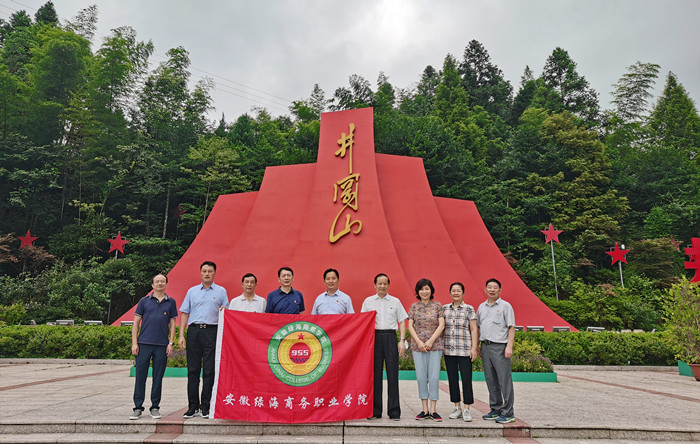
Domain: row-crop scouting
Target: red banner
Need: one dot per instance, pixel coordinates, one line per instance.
(293, 368)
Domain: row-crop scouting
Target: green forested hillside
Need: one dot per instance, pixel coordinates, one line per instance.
(95, 139)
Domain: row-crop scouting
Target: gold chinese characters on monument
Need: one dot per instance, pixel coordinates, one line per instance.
(347, 187)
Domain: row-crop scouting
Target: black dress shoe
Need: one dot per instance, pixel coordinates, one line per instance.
(190, 412)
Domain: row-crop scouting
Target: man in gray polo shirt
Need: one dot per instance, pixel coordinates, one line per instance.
(496, 330)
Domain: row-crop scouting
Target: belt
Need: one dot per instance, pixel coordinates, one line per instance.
(385, 331)
(491, 342)
(204, 325)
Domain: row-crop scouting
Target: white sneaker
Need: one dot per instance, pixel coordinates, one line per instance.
(456, 413)
(466, 415)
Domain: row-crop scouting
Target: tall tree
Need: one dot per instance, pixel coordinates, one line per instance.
(84, 23)
(28, 184)
(674, 121)
(358, 95)
(215, 167)
(484, 81)
(173, 116)
(528, 87)
(16, 40)
(584, 202)
(385, 97)
(562, 88)
(420, 101)
(46, 14)
(59, 64)
(451, 100)
(14, 102)
(625, 127)
(632, 92)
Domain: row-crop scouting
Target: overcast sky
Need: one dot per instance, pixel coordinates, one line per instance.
(268, 53)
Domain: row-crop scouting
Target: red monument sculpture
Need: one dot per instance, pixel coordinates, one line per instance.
(359, 212)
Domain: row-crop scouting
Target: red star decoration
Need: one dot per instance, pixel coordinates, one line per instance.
(694, 252)
(27, 240)
(552, 234)
(118, 243)
(617, 254)
(301, 336)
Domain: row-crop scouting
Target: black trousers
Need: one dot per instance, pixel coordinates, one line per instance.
(386, 352)
(463, 364)
(201, 355)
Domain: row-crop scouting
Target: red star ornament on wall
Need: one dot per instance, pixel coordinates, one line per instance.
(617, 254)
(694, 252)
(118, 243)
(551, 234)
(27, 240)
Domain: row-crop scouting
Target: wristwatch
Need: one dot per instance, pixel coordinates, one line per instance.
(171, 343)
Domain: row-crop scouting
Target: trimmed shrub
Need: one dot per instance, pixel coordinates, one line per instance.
(532, 351)
(606, 348)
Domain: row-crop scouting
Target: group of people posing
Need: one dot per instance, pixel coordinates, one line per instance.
(455, 330)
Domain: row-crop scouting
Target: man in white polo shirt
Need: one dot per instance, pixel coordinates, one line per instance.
(387, 349)
(248, 301)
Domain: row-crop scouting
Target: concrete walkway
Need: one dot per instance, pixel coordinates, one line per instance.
(90, 401)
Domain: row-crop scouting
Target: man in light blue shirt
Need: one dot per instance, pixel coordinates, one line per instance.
(200, 314)
(332, 301)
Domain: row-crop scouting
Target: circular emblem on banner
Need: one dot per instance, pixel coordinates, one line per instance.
(299, 353)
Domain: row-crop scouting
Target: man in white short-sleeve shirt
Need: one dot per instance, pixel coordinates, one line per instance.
(248, 301)
(387, 349)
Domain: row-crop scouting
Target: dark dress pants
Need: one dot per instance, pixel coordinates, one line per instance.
(159, 356)
(386, 352)
(201, 354)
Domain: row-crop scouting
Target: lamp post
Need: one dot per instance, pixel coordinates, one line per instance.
(619, 263)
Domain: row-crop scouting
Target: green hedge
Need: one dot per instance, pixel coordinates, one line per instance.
(605, 348)
(76, 342)
(574, 348)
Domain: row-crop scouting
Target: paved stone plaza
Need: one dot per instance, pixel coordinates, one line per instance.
(55, 401)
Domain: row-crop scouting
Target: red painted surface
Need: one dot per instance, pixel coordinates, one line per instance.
(406, 232)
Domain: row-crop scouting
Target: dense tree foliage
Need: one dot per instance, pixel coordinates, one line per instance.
(93, 142)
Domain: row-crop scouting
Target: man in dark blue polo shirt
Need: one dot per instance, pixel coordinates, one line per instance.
(155, 314)
(285, 299)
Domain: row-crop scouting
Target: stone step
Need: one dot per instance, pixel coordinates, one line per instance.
(110, 438)
(198, 430)
(199, 426)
